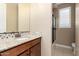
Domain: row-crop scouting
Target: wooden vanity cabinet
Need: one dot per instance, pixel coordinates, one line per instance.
(31, 48)
(36, 50)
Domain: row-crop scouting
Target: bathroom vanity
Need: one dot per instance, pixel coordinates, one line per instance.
(25, 47)
(15, 18)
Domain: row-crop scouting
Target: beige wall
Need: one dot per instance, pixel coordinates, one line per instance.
(11, 17)
(41, 21)
(77, 29)
(65, 36)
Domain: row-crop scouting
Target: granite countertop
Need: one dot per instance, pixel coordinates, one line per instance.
(7, 44)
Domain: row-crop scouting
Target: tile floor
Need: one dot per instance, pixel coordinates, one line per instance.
(61, 51)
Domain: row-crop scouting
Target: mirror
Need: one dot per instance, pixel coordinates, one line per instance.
(23, 17)
(14, 17)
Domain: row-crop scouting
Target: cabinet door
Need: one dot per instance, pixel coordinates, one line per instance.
(36, 50)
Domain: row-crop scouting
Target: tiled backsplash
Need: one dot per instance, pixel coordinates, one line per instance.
(7, 36)
(12, 35)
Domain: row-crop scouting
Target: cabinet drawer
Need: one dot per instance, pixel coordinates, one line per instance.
(16, 50)
(36, 41)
